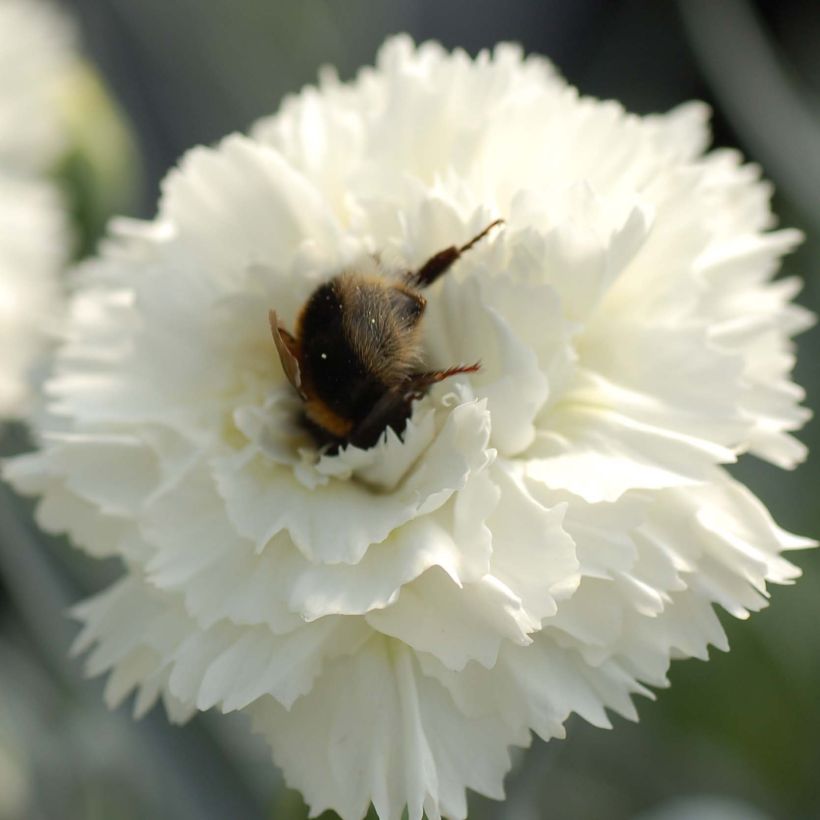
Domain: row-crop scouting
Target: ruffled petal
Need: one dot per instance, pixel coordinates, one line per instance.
(456, 624)
(248, 483)
(600, 454)
(419, 751)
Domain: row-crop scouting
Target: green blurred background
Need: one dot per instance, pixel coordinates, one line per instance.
(739, 736)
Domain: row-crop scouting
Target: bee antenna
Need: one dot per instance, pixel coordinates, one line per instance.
(440, 262)
(480, 236)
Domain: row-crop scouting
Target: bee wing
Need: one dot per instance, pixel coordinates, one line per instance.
(285, 346)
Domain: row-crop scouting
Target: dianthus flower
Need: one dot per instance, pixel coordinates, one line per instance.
(36, 49)
(33, 247)
(543, 535)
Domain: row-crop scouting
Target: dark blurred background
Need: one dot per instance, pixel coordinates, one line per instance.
(735, 739)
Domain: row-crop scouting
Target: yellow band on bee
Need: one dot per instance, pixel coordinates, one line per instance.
(319, 413)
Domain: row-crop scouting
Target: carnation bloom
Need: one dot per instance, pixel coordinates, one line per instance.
(544, 536)
(33, 246)
(36, 50)
(37, 53)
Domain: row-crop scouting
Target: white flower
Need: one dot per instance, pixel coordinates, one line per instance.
(547, 533)
(33, 247)
(37, 53)
(36, 50)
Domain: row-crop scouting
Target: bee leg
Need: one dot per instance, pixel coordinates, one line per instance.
(419, 382)
(439, 263)
(391, 410)
(394, 407)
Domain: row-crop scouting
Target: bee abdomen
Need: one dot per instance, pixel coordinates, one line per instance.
(337, 368)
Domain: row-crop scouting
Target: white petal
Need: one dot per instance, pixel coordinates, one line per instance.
(456, 624)
(380, 731)
(365, 518)
(210, 194)
(533, 555)
(600, 454)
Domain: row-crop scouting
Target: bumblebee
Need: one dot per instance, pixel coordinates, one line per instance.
(355, 355)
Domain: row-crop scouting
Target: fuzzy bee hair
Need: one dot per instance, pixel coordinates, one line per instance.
(356, 355)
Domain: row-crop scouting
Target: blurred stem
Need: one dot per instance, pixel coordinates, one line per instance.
(38, 593)
(763, 100)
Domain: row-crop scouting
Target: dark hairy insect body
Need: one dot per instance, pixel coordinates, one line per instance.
(355, 357)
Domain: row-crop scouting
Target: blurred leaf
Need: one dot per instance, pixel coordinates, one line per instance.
(100, 171)
(754, 706)
(290, 806)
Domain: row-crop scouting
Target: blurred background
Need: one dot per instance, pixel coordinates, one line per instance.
(735, 739)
